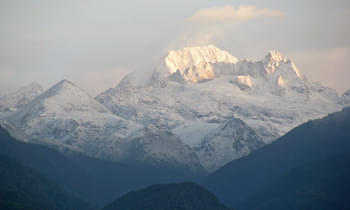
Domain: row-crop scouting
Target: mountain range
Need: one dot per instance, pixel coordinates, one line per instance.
(323, 184)
(197, 109)
(307, 168)
(258, 134)
(68, 119)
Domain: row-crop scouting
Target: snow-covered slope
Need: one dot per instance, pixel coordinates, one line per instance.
(67, 118)
(181, 60)
(14, 101)
(194, 63)
(195, 92)
(231, 140)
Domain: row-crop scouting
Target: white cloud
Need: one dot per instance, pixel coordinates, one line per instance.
(230, 14)
(197, 36)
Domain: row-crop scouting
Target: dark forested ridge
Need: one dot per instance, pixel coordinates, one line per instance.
(184, 196)
(94, 180)
(237, 182)
(23, 188)
(324, 184)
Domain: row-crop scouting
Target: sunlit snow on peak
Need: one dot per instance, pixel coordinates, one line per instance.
(297, 71)
(281, 82)
(201, 72)
(245, 80)
(275, 55)
(192, 56)
(273, 60)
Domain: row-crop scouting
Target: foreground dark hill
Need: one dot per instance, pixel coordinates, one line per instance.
(324, 184)
(23, 188)
(239, 180)
(185, 196)
(94, 180)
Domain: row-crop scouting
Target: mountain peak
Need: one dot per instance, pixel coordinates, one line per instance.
(65, 97)
(192, 56)
(30, 88)
(16, 100)
(273, 60)
(274, 55)
(65, 82)
(62, 87)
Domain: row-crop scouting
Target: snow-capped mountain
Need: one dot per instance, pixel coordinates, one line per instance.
(14, 101)
(198, 93)
(192, 63)
(68, 119)
(198, 107)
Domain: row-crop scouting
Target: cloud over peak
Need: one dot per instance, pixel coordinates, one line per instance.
(231, 14)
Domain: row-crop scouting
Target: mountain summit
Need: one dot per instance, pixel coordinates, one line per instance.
(14, 101)
(194, 63)
(65, 97)
(274, 59)
(199, 92)
(193, 56)
(205, 63)
(67, 116)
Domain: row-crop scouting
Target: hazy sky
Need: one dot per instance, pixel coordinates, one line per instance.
(95, 43)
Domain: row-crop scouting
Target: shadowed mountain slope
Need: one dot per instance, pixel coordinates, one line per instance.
(315, 140)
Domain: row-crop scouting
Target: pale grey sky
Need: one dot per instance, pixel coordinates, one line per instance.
(95, 42)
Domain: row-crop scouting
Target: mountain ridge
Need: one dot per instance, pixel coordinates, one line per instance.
(174, 196)
(208, 89)
(271, 96)
(23, 188)
(67, 118)
(16, 100)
